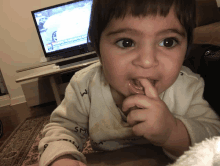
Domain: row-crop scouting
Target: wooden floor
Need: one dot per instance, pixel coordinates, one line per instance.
(12, 116)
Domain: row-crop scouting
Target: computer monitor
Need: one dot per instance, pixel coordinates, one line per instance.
(62, 29)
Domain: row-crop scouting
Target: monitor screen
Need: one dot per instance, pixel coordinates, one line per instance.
(63, 27)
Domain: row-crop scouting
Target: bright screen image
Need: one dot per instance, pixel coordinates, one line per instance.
(64, 26)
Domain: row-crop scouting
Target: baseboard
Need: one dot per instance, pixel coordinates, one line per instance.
(5, 100)
(18, 100)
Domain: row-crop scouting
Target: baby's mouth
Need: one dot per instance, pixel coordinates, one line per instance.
(138, 84)
(135, 86)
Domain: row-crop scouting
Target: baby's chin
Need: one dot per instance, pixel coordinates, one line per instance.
(117, 96)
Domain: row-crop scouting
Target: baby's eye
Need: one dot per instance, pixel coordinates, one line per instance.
(169, 42)
(125, 43)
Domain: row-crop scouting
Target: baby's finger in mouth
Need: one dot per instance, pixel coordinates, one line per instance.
(149, 88)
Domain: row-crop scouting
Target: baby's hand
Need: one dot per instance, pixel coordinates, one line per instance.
(151, 118)
(67, 160)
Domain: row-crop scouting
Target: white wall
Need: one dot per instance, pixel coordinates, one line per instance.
(19, 43)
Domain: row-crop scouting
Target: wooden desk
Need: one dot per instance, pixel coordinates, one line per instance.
(141, 155)
(52, 70)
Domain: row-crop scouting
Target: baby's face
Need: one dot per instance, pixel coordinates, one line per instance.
(148, 47)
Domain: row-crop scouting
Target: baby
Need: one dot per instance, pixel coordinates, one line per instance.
(139, 92)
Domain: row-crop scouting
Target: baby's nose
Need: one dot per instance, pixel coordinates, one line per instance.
(146, 58)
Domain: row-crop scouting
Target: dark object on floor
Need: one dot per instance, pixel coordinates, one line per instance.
(204, 59)
(1, 129)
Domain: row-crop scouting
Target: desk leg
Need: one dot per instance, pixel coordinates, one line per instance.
(55, 90)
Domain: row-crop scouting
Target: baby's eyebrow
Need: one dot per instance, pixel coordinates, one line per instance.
(131, 30)
(123, 30)
(174, 30)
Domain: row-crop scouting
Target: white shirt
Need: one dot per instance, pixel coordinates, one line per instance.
(88, 107)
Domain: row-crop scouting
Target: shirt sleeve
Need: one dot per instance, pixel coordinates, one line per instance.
(200, 120)
(67, 131)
